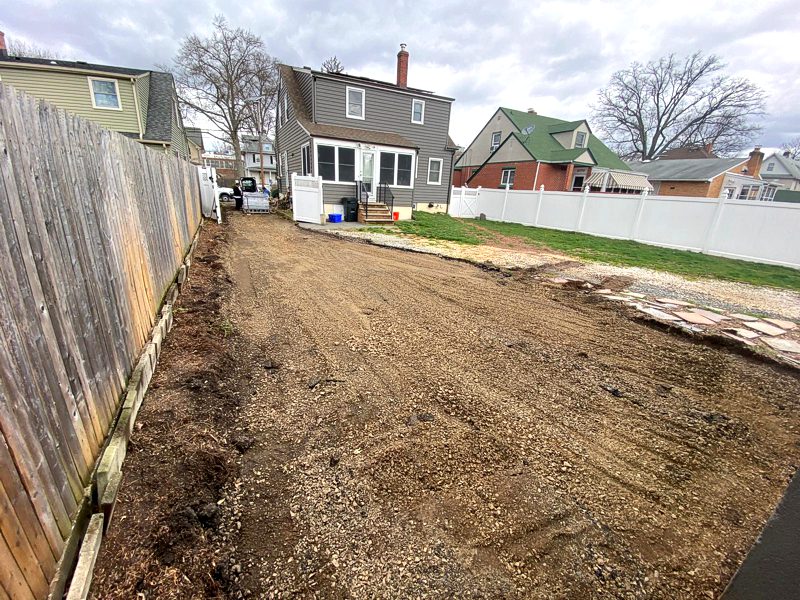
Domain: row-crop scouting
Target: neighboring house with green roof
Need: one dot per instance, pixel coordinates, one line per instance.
(525, 150)
(138, 103)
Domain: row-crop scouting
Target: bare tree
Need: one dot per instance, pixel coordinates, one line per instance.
(20, 48)
(221, 76)
(332, 65)
(792, 147)
(673, 102)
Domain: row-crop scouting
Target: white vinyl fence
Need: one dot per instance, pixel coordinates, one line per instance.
(307, 199)
(767, 232)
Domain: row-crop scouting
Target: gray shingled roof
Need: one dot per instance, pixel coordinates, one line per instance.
(338, 132)
(195, 135)
(160, 107)
(72, 64)
(792, 166)
(686, 169)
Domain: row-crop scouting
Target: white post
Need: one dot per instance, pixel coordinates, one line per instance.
(639, 212)
(321, 203)
(715, 221)
(461, 196)
(584, 197)
(539, 206)
(505, 201)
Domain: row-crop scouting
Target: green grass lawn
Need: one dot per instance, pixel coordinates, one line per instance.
(599, 249)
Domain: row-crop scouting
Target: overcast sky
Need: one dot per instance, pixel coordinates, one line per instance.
(552, 56)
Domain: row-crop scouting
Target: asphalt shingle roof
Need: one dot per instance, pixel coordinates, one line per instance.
(72, 64)
(792, 166)
(544, 147)
(685, 169)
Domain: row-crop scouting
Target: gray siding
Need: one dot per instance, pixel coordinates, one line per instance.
(306, 85)
(389, 110)
(332, 193)
(289, 137)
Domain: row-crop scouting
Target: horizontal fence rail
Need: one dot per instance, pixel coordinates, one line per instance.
(744, 229)
(93, 227)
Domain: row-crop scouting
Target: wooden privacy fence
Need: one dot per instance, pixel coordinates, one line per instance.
(93, 227)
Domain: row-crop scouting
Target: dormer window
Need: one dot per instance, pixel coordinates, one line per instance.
(105, 93)
(580, 140)
(355, 103)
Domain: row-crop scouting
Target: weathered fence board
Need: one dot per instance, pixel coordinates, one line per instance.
(93, 228)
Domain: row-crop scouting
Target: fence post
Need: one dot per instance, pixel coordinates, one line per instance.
(639, 211)
(461, 202)
(715, 221)
(539, 206)
(505, 201)
(584, 198)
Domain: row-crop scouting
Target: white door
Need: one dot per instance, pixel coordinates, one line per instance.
(307, 199)
(368, 179)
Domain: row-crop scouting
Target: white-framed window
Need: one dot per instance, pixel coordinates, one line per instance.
(435, 171)
(105, 93)
(336, 163)
(285, 166)
(495, 141)
(580, 140)
(396, 168)
(507, 177)
(748, 192)
(768, 195)
(285, 106)
(770, 166)
(418, 111)
(305, 154)
(355, 103)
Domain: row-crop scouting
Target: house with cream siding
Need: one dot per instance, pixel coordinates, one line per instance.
(139, 103)
(385, 144)
(782, 170)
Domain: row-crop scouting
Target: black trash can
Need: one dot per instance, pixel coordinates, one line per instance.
(350, 209)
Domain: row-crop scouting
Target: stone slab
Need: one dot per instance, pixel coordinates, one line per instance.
(743, 317)
(743, 333)
(695, 318)
(787, 325)
(710, 315)
(783, 345)
(673, 301)
(739, 339)
(658, 314)
(765, 328)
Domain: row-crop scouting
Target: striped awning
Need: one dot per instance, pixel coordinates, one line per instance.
(619, 180)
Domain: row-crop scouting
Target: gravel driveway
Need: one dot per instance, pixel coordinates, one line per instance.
(424, 428)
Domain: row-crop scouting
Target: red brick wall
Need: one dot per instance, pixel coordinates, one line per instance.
(553, 177)
(457, 174)
(698, 189)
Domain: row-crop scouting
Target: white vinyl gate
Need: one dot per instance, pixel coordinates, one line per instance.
(307, 198)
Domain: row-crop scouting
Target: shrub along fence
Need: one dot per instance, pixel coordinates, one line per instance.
(744, 229)
(93, 227)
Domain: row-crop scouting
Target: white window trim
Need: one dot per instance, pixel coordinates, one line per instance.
(422, 113)
(508, 183)
(398, 153)
(492, 145)
(285, 167)
(285, 111)
(441, 167)
(770, 166)
(349, 89)
(336, 145)
(302, 159)
(116, 89)
(359, 148)
(577, 133)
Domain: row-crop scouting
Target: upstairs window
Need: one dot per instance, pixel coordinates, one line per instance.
(285, 106)
(355, 103)
(105, 93)
(507, 178)
(580, 140)
(418, 112)
(770, 166)
(495, 141)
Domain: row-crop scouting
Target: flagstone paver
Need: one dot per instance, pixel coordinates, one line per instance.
(695, 318)
(765, 328)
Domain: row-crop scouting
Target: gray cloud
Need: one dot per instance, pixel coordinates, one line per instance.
(551, 55)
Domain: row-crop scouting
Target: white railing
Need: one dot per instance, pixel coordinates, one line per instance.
(749, 230)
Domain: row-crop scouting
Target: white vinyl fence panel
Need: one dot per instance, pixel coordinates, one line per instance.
(750, 230)
(307, 199)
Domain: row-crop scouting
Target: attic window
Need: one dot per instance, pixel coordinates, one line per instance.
(770, 166)
(580, 140)
(495, 141)
(105, 93)
(355, 103)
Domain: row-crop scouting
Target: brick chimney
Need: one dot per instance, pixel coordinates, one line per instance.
(531, 111)
(786, 153)
(3, 51)
(754, 163)
(709, 148)
(402, 67)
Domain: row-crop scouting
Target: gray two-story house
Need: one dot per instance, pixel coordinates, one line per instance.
(383, 143)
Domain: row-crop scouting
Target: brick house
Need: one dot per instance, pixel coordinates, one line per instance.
(525, 150)
(738, 178)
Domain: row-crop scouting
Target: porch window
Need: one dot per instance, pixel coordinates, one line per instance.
(105, 93)
(435, 171)
(395, 168)
(495, 141)
(336, 163)
(769, 193)
(507, 178)
(355, 103)
(748, 192)
(418, 112)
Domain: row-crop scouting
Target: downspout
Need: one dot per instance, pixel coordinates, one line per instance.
(536, 177)
(136, 106)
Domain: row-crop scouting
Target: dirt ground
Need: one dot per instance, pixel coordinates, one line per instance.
(424, 428)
